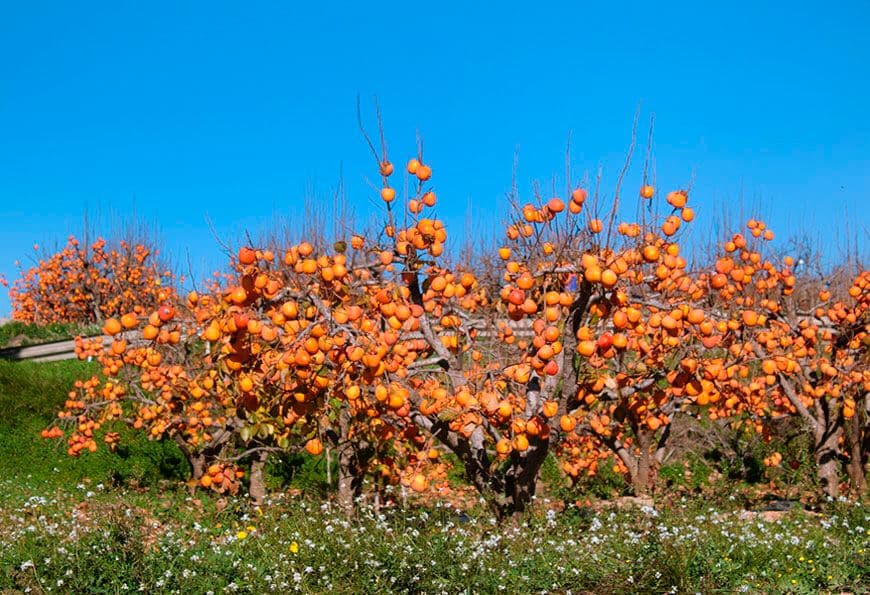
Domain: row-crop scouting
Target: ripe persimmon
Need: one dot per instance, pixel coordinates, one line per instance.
(247, 256)
(419, 483)
(677, 199)
(112, 327)
(388, 194)
(314, 447)
(556, 205)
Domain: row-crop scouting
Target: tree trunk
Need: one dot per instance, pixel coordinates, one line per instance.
(349, 479)
(197, 465)
(855, 468)
(643, 479)
(642, 467)
(257, 487)
(196, 460)
(521, 479)
(826, 448)
(647, 466)
(351, 464)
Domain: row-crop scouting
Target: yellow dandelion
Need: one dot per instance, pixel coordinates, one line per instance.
(294, 548)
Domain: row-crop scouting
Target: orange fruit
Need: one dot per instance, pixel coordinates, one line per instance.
(419, 483)
(247, 255)
(556, 205)
(112, 327)
(677, 199)
(129, 321)
(388, 194)
(314, 447)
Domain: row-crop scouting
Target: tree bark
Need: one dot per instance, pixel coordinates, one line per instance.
(351, 459)
(647, 466)
(521, 479)
(197, 465)
(826, 448)
(642, 467)
(855, 468)
(349, 479)
(257, 487)
(641, 483)
(196, 460)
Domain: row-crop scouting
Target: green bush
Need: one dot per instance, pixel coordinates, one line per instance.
(301, 471)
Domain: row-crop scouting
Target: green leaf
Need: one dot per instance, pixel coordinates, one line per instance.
(448, 414)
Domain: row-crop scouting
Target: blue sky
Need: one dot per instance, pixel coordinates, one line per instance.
(183, 111)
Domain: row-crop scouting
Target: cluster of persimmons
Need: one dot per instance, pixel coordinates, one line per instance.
(86, 284)
(595, 334)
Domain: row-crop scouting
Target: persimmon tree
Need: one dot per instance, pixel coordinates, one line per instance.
(384, 351)
(88, 282)
(499, 405)
(641, 353)
(796, 346)
(380, 343)
(365, 347)
(288, 353)
(155, 378)
(618, 326)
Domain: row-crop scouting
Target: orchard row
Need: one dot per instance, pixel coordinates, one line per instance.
(382, 350)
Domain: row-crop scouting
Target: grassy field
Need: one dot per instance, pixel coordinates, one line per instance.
(115, 523)
(15, 334)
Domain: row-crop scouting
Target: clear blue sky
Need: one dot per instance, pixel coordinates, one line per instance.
(183, 110)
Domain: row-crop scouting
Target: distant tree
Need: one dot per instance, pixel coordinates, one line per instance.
(87, 282)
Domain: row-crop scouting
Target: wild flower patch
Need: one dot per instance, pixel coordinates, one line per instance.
(87, 539)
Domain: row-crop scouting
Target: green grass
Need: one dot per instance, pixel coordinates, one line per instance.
(30, 396)
(28, 334)
(91, 539)
(108, 523)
